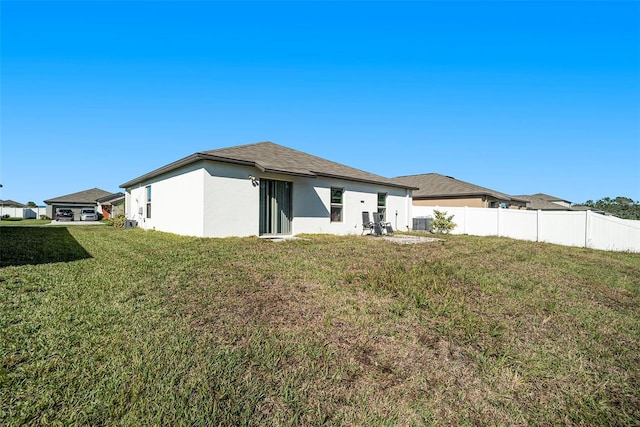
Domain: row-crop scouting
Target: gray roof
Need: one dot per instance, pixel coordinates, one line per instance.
(434, 185)
(86, 196)
(274, 158)
(110, 197)
(12, 204)
(544, 202)
(542, 196)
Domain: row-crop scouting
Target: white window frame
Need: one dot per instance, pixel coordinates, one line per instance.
(147, 190)
(335, 205)
(382, 208)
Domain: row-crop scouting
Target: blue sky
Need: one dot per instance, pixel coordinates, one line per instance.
(520, 97)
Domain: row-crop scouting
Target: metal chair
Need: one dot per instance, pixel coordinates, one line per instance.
(381, 224)
(367, 224)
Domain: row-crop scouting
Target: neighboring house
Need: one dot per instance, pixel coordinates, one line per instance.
(75, 202)
(262, 189)
(11, 204)
(111, 205)
(441, 190)
(545, 202)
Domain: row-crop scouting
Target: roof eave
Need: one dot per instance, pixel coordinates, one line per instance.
(184, 162)
(456, 195)
(286, 172)
(366, 181)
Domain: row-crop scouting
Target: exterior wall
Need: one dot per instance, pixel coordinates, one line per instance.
(176, 202)
(312, 206)
(231, 200)
(210, 199)
(472, 202)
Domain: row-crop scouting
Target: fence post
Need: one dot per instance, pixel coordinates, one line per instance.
(587, 220)
(464, 221)
(498, 221)
(538, 225)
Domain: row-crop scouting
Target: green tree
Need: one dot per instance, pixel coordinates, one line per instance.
(622, 207)
(442, 223)
(32, 204)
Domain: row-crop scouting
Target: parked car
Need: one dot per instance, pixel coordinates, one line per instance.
(64, 215)
(88, 214)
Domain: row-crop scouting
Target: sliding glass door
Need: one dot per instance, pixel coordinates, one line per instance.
(275, 207)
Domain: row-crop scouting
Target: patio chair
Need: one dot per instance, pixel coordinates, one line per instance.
(382, 225)
(367, 224)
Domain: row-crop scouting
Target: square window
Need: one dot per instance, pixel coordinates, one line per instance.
(336, 213)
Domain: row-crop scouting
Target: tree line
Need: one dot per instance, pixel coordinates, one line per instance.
(622, 207)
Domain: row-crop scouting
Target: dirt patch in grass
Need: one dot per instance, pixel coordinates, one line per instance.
(406, 239)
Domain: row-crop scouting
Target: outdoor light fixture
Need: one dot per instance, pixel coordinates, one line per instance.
(254, 181)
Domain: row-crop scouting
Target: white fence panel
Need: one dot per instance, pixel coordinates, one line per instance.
(562, 227)
(517, 224)
(480, 222)
(584, 229)
(24, 213)
(613, 234)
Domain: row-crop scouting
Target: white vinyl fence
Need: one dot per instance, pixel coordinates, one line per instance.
(584, 228)
(24, 213)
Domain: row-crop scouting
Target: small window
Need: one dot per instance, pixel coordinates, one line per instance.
(336, 204)
(149, 201)
(382, 205)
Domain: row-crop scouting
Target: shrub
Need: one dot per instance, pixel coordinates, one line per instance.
(11, 218)
(442, 223)
(44, 217)
(118, 221)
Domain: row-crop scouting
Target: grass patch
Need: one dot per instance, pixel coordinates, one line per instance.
(19, 222)
(129, 325)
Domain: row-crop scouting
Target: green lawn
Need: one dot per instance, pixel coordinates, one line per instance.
(105, 326)
(23, 222)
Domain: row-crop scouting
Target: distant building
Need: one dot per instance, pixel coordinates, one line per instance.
(441, 190)
(545, 202)
(11, 204)
(75, 201)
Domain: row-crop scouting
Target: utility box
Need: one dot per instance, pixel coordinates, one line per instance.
(422, 223)
(130, 223)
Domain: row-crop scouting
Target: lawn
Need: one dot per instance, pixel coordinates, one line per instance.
(126, 327)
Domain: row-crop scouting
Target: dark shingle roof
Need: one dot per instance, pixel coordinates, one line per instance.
(544, 202)
(542, 196)
(274, 158)
(87, 196)
(12, 204)
(110, 197)
(433, 185)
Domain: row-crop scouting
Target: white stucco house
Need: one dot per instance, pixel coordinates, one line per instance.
(262, 189)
